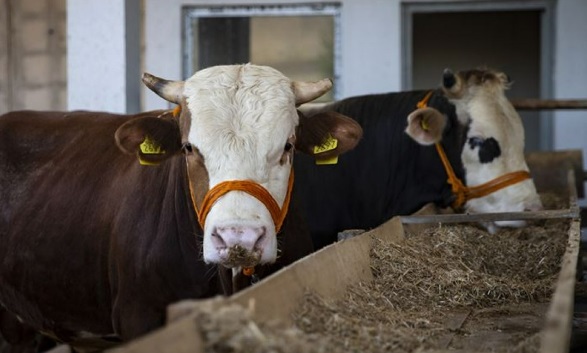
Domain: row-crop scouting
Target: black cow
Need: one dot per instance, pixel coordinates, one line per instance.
(95, 242)
(393, 173)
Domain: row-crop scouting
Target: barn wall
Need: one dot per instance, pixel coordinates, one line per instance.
(371, 47)
(104, 55)
(32, 54)
(570, 75)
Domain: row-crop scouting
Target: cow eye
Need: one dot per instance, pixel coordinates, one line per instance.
(187, 147)
(288, 147)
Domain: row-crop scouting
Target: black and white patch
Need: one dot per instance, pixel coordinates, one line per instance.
(488, 148)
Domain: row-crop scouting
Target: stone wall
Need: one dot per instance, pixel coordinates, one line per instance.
(33, 55)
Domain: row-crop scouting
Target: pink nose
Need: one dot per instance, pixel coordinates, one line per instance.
(250, 238)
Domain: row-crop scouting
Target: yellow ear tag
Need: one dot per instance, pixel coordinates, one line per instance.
(424, 124)
(149, 146)
(328, 145)
(332, 160)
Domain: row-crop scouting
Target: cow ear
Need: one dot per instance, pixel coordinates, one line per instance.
(152, 139)
(425, 125)
(327, 134)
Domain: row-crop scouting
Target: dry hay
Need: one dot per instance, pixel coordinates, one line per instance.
(231, 328)
(425, 288)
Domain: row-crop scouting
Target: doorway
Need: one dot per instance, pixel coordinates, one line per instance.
(512, 40)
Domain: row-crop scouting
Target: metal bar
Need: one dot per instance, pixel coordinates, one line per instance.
(491, 217)
(548, 104)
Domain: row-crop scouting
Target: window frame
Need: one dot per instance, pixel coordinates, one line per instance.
(194, 12)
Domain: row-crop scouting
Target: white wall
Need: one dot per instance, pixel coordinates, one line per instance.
(570, 74)
(371, 42)
(101, 52)
(95, 55)
(371, 58)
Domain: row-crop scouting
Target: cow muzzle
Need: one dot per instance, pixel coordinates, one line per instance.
(241, 238)
(239, 246)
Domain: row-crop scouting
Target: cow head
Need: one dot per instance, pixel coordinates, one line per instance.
(493, 142)
(238, 130)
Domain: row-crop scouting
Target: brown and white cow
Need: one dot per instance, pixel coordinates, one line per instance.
(393, 173)
(95, 244)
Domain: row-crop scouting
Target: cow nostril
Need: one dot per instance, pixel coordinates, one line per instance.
(261, 238)
(217, 240)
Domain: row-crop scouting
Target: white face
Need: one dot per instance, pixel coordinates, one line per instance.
(242, 119)
(494, 144)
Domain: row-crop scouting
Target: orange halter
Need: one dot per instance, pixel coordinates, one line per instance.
(252, 188)
(462, 192)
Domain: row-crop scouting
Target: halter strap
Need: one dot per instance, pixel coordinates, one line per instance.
(462, 192)
(252, 188)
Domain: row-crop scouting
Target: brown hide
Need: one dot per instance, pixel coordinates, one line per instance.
(91, 240)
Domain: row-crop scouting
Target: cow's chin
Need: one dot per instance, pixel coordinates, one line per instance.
(237, 256)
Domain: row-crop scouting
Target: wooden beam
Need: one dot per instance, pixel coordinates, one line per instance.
(548, 104)
(572, 212)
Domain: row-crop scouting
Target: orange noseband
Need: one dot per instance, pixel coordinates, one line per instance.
(250, 187)
(253, 189)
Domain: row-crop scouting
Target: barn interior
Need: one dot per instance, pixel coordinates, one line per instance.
(90, 54)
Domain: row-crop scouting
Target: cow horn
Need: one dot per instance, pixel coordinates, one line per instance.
(171, 91)
(308, 91)
(448, 79)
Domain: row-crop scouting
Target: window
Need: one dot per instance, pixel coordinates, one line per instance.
(302, 41)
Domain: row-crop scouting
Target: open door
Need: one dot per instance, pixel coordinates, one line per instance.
(510, 40)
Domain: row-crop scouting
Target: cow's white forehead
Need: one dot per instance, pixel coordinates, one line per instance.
(240, 113)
